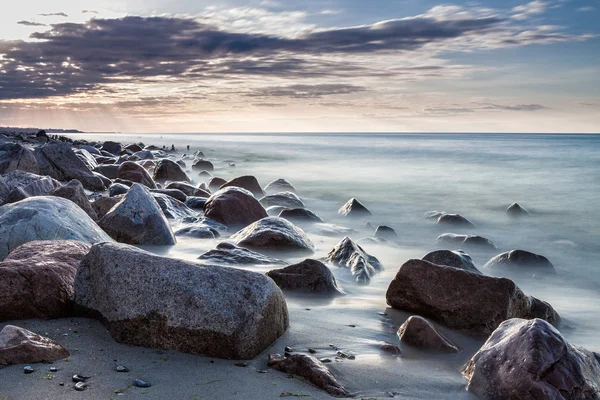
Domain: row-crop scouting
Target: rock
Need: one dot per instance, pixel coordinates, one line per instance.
(60, 162)
(462, 300)
(45, 218)
(87, 159)
(310, 369)
(80, 386)
(30, 184)
(203, 165)
(234, 207)
(173, 208)
(283, 199)
(15, 195)
(390, 349)
(4, 191)
(457, 259)
(106, 160)
(354, 208)
(167, 170)
(529, 359)
(274, 234)
(195, 203)
(138, 219)
(434, 214)
(274, 211)
(110, 171)
(299, 216)
(385, 232)
(515, 210)
(466, 240)
(310, 276)
(174, 193)
(74, 191)
(141, 383)
(117, 188)
(135, 173)
(520, 261)
(188, 189)
(229, 254)
(90, 149)
(20, 346)
(112, 147)
(103, 204)
(280, 185)
(348, 254)
(456, 220)
(419, 332)
(215, 183)
(121, 368)
(196, 232)
(144, 155)
(134, 147)
(36, 279)
(28, 369)
(179, 305)
(247, 182)
(14, 156)
(105, 181)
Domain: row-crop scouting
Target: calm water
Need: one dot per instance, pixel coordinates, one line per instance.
(401, 176)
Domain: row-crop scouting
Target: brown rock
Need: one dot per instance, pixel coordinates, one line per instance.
(74, 192)
(102, 205)
(234, 207)
(419, 332)
(135, 173)
(307, 276)
(20, 346)
(167, 170)
(247, 182)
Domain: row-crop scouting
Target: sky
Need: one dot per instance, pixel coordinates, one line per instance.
(301, 66)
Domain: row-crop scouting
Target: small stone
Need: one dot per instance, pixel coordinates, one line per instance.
(288, 349)
(122, 368)
(390, 349)
(79, 378)
(53, 369)
(80, 386)
(352, 326)
(262, 371)
(142, 384)
(325, 360)
(312, 351)
(28, 369)
(241, 364)
(61, 384)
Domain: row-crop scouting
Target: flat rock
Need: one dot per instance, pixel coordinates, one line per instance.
(419, 332)
(279, 185)
(20, 346)
(299, 215)
(354, 209)
(283, 199)
(520, 261)
(229, 254)
(452, 258)
(14, 156)
(234, 207)
(348, 254)
(180, 305)
(135, 173)
(456, 220)
(466, 240)
(74, 191)
(274, 234)
(247, 182)
(167, 170)
(309, 276)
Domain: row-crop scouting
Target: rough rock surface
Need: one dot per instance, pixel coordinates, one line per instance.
(117, 188)
(466, 240)
(354, 208)
(419, 332)
(274, 234)
(138, 219)
(515, 210)
(520, 261)
(247, 182)
(180, 305)
(234, 207)
(299, 216)
(456, 220)
(462, 300)
(14, 156)
(45, 218)
(174, 193)
(74, 191)
(452, 258)
(350, 255)
(135, 173)
(167, 170)
(279, 185)
(529, 359)
(229, 254)
(195, 203)
(30, 184)
(283, 199)
(310, 276)
(36, 279)
(20, 346)
(112, 147)
(102, 205)
(188, 189)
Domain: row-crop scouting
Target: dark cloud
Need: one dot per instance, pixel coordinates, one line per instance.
(30, 23)
(57, 14)
(518, 107)
(307, 91)
(89, 12)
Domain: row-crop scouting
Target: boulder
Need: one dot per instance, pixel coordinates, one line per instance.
(195, 203)
(36, 279)
(354, 209)
(461, 299)
(215, 183)
(103, 204)
(174, 193)
(457, 259)
(138, 219)
(188, 189)
(30, 184)
(274, 234)
(112, 147)
(419, 332)
(20, 346)
(45, 218)
(456, 220)
(515, 210)
(385, 232)
(173, 208)
(4, 191)
(90, 149)
(14, 156)
(229, 254)
(197, 232)
(87, 159)
(434, 214)
(180, 305)
(466, 240)
(234, 207)
(283, 199)
(144, 155)
(117, 188)
(347, 254)
(310, 276)
(74, 191)
(529, 359)
(60, 162)
(203, 165)
(299, 216)
(135, 173)
(274, 211)
(167, 170)
(134, 147)
(110, 171)
(520, 261)
(247, 182)
(279, 185)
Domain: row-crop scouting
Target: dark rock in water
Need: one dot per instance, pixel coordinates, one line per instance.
(45, 218)
(87, 159)
(284, 199)
(188, 189)
(28, 369)
(144, 155)
(103, 204)
(74, 191)
(247, 182)
(385, 232)
(310, 369)
(138, 219)
(181, 163)
(112, 147)
(307, 276)
(390, 349)
(20, 346)
(521, 261)
(456, 220)
(4, 191)
(196, 203)
(110, 171)
(434, 214)
(299, 216)
(457, 259)
(105, 160)
(274, 211)
(180, 305)
(215, 183)
(280, 185)
(529, 359)
(173, 208)
(354, 208)
(515, 210)
(167, 170)
(105, 181)
(462, 300)
(207, 175)
(14, 156)
(197, 232)
(134, 147)
(419, 332)
(466, 240)
(30, 184)
(348, 254)
(141, 383)
(174, 193)
(15, 195)
(274, 234)
(234, 207)
(116, 189)
(135, 173)
(203, 165)
(229, 254)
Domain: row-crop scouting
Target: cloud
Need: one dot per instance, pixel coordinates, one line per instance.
(330, 12)
(530, 9)
(517, 107)
(30, 23)
(89, 12)
(585, 9)
(307, 91)
(57, 14)
(480, 107)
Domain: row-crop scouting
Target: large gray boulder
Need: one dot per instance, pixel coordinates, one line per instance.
(87, 159)
(348, 254)
(354, 209)
(14, 156)
(452, 258)
(462, 300)
(279, 185)
(529, 359)
(516, 210)
(173, 208)
(133, 172)
(45, 218)
(74, 192)
(520, 261)
(30, 184)
(283, 199)
(300, 216)
(168, 170)
(234, 207)
(138, 219)
(59, 161)
(309, 276)
(248, 182)
(274, 234)
(456, 220)
(102, 205)
(112, 147)
(229, 254)
(152, 301)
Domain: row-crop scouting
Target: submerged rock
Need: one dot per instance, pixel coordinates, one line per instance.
(457, 259)
(173, 193)
(299, 216)
(310, 276)
(385, 232)
(333, 230)
(247, 182)
(197, 232)
(354, 208)
(196, 203)
(135, 173)
(520, 261)
(283, 199)
(274, 234)
(74, 192)
(350, 255)
(419, 332)
(234, 207)
(466, 240)
(515, 210)
(215, 183)
(167, 170)
(462, 300)
(434, 214)
(180, 305)
(203, 165)
(529, 359)
(456, 220)
(279, 185)
(229, 254)
(20, 346)
(14, 156)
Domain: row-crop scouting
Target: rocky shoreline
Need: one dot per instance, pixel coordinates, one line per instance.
(73, 210)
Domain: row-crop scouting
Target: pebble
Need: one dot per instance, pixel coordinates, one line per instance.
(241, 364)
(61, 384)
(262, 371)
(80, 386)
(142, 384)
(288, 349)
(325, 360)
(53, 369)
(312, 351)
(79, 378)
(28, 369)
(390, 349)
(122, 368)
